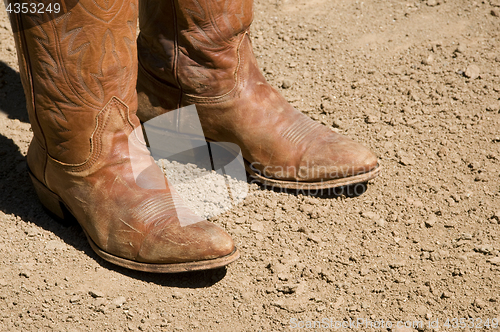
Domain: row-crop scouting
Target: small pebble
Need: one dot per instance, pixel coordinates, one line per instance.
(290, 305)
(496, 216)
(472, 72)
(406, 161)
(100, 302)
(495, 107)
(370, 119)
(494, 261)
(119, 301)
(397, 264)
(495, 12)
(429, 60)
(74, 299)
(479, 303)
(257, 227)
(466, 236)
(484, 249)
(370, 215)
(364, 271)
(313, 238)
(287, 84)
(177, 295)
(460, 48)
(240, 220)
(381, 222)
(431, 221)
(446, 295)
(95, 293)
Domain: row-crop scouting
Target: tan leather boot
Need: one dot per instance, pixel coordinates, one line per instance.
(199, 52)
(88, 158)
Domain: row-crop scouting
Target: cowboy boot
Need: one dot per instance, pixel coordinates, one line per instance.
(88, 159)
(199, 52)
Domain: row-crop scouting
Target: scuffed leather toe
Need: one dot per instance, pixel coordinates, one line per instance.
(206, 241)
(335, 156)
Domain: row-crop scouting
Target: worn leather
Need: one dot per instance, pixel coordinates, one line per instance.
(199, 52)
(79, 72)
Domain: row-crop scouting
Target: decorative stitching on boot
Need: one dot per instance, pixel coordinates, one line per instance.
(153, 209)
(300, 129)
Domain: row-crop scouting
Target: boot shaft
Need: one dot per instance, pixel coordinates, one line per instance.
(72, 63)
(194, 44)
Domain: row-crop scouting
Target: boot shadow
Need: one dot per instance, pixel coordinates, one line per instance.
(349, 191)
(12, 100)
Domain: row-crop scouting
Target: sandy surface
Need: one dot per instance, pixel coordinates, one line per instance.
(416, 81)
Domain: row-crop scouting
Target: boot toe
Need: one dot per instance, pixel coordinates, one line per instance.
(201, 241)
(336, 157)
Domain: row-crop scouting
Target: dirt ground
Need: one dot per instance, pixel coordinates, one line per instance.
(416, 81)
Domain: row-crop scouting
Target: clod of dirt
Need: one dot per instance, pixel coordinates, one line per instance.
(429, 60)
(472, 72)
(494, 107)
(431, 221)
(290, 305)
(371, 119)
(479, 303)
(240, 220)
(257, 227)
(446, 295)
(484, 249)
(95, 293)
(364, 271)
(495, 12)
(55, 245)
(406, 160)
(460, 48)
(74, 299)
(494, 261)
(290, 288)
(397, 264)
(370, 215)
(496, 216)
(119, 301)
(287, 84)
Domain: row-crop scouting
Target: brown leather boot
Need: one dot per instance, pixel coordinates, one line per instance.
(88, 158)
(199, 52)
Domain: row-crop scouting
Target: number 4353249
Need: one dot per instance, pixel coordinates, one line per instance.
(33, 8)
(471, 323)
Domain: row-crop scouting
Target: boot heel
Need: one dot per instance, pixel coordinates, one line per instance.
(52, 203)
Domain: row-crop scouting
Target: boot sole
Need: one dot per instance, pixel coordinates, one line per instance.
(56, 208)
(314, 186)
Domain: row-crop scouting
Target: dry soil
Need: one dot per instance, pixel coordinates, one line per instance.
(416, 81)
